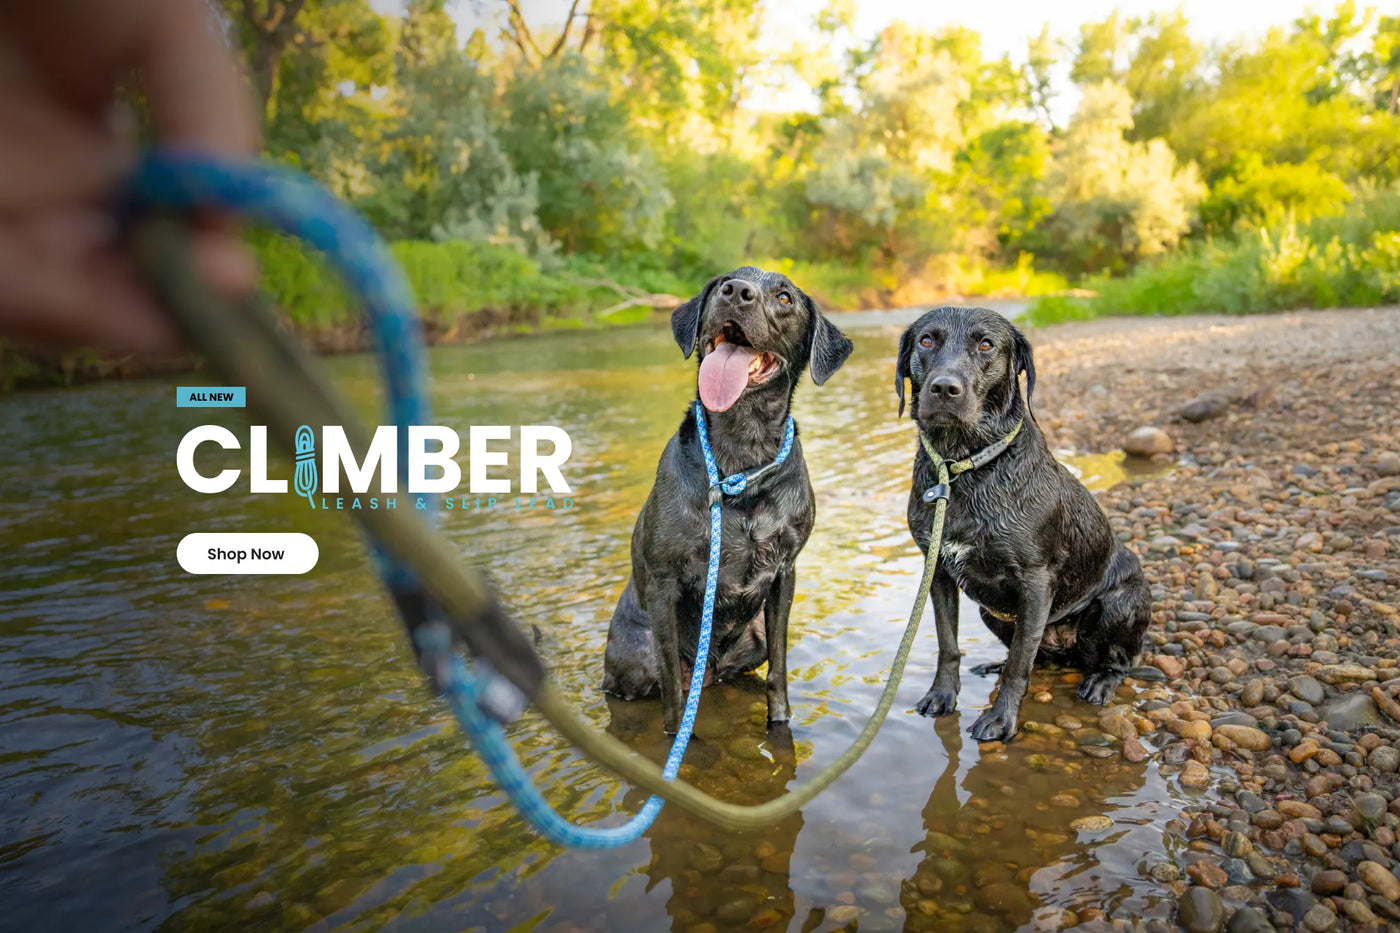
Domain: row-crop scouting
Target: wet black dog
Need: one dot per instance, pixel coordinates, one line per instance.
(1022, 537)
(756, 332)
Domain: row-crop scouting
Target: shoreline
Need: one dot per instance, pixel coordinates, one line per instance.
(1273, 553)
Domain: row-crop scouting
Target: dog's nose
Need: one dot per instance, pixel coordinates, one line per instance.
(739, 292)
(946, 385)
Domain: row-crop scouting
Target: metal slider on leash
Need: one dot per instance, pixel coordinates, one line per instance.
(736, 483)
(956, 468)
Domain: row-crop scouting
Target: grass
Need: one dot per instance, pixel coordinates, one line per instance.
(1349, 260)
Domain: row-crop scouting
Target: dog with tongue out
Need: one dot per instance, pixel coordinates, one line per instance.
(755, 332)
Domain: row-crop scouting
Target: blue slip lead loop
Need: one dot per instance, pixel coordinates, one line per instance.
(464, 694)
(736, 483)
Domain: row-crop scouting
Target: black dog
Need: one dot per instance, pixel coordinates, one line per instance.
(1022, 537)
(756, 333)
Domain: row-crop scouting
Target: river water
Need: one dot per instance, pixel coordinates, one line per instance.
(197, 753)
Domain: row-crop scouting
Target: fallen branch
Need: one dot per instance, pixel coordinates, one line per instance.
(658, 302)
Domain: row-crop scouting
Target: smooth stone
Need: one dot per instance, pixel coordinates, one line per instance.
(706, 858)
(1328, 882)
(1003, 897)
(1147, 674)
(1375, 877)
(1210, 405)
(1260, 866)
(1236, 844)
(1319, 919)
(1386, 758)
(1249, 920)
(1372, 809)
(1147, 440)
(1250, 802)
(1349, 711)
(1194, 774)
(1237, 871)
(1164, 872)
(1307, 689)
(1256, 740)
(1091, 824)
(1199, 910)
(1293, 901)
(736, 910)
(1234, 718)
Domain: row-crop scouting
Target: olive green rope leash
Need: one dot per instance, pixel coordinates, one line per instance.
(241, 342)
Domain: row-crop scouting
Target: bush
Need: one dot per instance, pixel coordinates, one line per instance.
(1351, 260)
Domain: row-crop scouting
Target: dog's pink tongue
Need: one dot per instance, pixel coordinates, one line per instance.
(724, 374)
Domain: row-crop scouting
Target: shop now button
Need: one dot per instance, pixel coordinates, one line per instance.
(247, 552)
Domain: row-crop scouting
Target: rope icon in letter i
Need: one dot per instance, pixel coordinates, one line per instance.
(305, 478)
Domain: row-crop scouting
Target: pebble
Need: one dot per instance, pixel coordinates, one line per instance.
(1319, 918)
(1134, 750)
(1386, 759)
(1378, 879)
(1117, 725)
(1091, 824)
(1328, 882)
(1206, 406)
(1371, 808)
(1207, 874)
(1146, 441)
(1236, 844)
(1199, 910)
(1350, 711)
(843, 914)
(1246, 737)
(1249, 920)
(1306, 689)
(1163, 872)
(1196, 730)
(1194, 774)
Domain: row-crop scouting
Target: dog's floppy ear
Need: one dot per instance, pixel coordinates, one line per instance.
(829, 347)
(1022, 361)
(901, 366)
(685, 320)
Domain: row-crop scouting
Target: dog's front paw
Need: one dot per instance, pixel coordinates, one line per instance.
(1099, 688)
(995, 725)
(939, 701)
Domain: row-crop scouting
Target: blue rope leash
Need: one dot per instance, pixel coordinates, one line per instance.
(289, 202)
(489, 738)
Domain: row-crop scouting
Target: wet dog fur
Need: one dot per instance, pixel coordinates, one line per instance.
(1022, 536)
(655, 627)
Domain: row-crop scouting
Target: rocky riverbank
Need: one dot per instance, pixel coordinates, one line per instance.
(1273, 553)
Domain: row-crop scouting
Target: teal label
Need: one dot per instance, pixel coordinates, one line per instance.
(210, 397)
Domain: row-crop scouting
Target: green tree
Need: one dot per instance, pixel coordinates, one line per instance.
(444, 171)
(600, 189)
(1115, 200)
(1164, 73)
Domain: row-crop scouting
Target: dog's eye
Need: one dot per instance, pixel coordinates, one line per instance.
(985, 345)
(784, 298)
(925, 341)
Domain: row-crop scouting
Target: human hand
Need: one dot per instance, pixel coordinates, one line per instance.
(64, 148)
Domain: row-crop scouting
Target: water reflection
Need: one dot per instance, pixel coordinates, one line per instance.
(192, 753)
